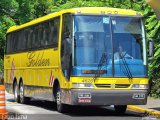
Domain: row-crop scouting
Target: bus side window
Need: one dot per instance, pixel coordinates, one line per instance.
(9, 45)
(18, 41)
(15, 42)
(66, 46)
(54, 32)
(45, 34)
(29, 40)
(35, 39)
(42, 31)
(26, 37)
(40, 35)
(51, 28)
(22, 40)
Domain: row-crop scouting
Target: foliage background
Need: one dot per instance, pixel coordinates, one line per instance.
(15, 12)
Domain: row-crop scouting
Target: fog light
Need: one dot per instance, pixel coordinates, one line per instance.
(140, 86)
(82, 85)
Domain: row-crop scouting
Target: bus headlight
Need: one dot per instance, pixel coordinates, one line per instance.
(140, 86)
(82, 85)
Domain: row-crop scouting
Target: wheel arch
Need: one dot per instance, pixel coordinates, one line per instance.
(56, 84)
(14, 81)
(20, 80)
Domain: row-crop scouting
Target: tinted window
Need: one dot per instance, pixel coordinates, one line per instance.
(15, 42)
(39, 36)
(54, 31)
(29, 38)
(51, 33)
(35, 40)
(22, 40)
(66, 46)
(45, 34)
(9, 45)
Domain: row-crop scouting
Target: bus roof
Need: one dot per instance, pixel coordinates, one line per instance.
(82, 10)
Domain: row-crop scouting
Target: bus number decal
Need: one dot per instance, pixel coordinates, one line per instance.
(37, 59)
(51, 79)
(87, 80)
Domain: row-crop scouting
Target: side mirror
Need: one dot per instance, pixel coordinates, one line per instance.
(151, 48)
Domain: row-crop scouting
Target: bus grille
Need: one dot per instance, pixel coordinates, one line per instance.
(112, 85)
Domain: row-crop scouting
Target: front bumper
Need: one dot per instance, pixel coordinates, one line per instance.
(104, 97)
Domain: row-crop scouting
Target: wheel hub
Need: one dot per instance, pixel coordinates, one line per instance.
(15, 92)
(21, 92)
(58, 98)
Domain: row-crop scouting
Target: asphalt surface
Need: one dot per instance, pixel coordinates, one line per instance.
(45, 110)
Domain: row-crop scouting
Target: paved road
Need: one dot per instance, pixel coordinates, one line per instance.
(44, 110)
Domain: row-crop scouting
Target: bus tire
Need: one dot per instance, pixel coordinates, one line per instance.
(23, 99)
(16, 92)
(62, 108)
(120, 109)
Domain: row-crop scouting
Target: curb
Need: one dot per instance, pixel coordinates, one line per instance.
(143, 110)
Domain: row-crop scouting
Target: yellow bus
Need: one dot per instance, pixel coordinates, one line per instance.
(92, 56)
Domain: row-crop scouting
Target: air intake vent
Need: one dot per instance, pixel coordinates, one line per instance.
(103, 85)
(122, 85)
(112, 85)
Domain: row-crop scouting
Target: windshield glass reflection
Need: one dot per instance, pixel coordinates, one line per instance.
(97, 35)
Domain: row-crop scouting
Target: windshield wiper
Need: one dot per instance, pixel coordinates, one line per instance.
(102, 62)
(127, 71)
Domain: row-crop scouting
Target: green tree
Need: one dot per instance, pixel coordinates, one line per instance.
(42, 7)
(25, 11)
(153, 30)
(8, 7)
(5, 23)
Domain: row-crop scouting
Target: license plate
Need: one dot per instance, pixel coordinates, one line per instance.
(84, 100)
(84, 95)
(138, 96)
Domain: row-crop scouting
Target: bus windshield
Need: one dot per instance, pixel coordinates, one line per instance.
(120, 39)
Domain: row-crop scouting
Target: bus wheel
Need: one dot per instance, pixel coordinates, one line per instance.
(120, 109)
(60, 106)
(23, 99)
(16, 93)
